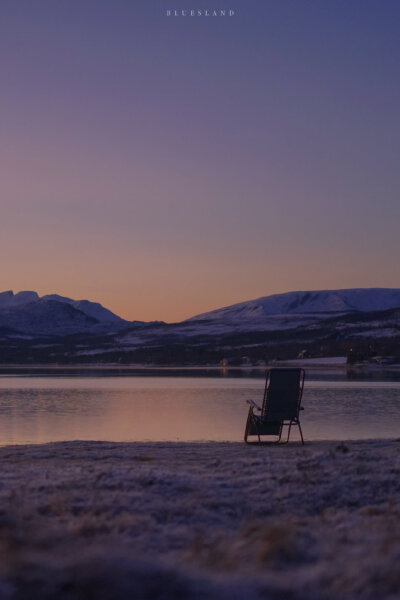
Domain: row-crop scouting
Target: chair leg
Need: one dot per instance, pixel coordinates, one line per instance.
(280, 434)
(256, 426)
(252, 420)
(259, 437)
(301, 433)
(288, 433)
(246, 432)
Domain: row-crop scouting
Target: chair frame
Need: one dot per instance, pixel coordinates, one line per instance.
(256, 420)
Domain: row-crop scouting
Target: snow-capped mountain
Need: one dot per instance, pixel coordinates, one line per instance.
(46, 318)
(9, 299)
(312, 304)
(91, 309)
(280, 325)
(27, 313)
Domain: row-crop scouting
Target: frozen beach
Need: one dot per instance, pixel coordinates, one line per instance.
(200, 520)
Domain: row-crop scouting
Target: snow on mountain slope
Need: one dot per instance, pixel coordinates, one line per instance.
(27, 313)
(317, 303)
(46, 317)
(9, 299)
(91, 309)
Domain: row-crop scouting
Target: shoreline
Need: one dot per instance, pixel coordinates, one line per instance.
(310, 364)
(111, 366)
(201, 520)
(310, 444)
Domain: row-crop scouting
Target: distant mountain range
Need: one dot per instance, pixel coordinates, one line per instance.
(54, 328)
(29, 314)
(322, 303)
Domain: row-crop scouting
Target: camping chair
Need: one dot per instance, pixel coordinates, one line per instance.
(280, 407)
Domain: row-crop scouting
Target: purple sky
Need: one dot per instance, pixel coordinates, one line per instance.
(168, 166)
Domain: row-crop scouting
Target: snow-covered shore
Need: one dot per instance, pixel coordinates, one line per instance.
(206, 520)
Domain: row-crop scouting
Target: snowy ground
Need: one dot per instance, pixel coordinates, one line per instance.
(328, 361)
(172, 521)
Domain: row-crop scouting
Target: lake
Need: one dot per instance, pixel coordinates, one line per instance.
(39, 406)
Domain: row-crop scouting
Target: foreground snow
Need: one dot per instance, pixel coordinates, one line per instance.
(212, 520)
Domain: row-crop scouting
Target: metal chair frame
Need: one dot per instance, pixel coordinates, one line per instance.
(258, 420)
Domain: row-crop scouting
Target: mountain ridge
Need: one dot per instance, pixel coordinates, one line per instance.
(320, 323)
(308, 302)
(25, 313)
(29, 299)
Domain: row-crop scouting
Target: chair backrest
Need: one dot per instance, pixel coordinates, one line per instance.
(283, 392)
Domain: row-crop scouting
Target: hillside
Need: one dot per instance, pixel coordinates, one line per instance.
(324, 323)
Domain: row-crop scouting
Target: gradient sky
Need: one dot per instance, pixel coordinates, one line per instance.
(168, 166)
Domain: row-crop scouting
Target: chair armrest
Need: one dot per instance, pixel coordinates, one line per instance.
(253, 404)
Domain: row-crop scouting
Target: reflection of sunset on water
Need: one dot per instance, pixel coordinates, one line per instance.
(43, 409)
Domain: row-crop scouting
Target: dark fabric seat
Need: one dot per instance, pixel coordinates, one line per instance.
(281, 406)
(258, 426)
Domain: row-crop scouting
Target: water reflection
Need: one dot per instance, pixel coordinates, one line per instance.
(41, 409)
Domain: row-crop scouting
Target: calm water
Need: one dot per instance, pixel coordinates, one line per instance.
(43, 408)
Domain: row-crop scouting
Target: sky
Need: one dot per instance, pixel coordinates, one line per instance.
(167, 166)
